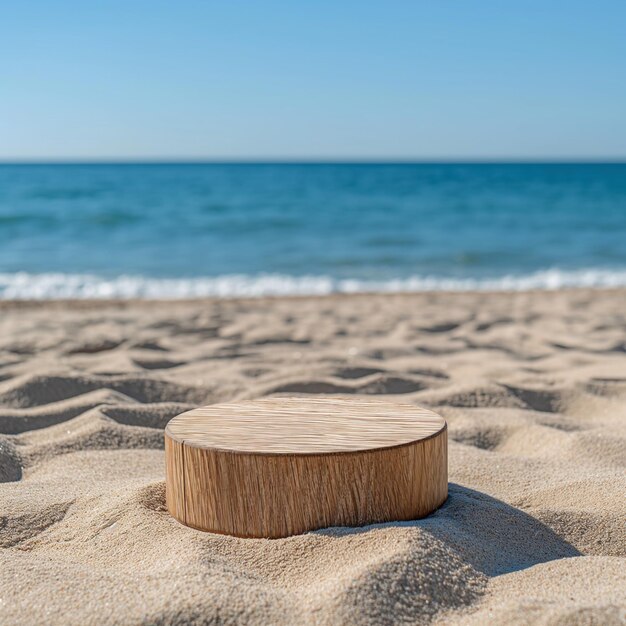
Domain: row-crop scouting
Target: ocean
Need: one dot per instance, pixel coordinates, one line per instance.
(192, 229)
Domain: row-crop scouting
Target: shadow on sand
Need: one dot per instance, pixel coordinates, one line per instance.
(492, 536)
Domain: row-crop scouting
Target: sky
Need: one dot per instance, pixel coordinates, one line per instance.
(440, 79)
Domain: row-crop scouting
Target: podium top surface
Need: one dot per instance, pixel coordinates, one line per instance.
(300, 425)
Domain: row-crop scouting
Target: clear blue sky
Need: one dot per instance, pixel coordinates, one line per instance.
(351, 79)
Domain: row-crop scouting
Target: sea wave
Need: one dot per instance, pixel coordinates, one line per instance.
(25, 286)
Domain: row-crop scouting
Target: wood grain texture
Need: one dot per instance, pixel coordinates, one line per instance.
(282, 466)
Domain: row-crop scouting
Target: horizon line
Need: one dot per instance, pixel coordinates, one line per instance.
(494, 160)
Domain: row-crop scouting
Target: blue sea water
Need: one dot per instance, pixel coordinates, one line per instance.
(185, 230)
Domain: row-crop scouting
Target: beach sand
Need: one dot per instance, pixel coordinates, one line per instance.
(533, 386)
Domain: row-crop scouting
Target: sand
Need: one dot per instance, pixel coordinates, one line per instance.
(533, 386)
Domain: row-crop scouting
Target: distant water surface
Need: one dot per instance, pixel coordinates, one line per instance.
(179, 230)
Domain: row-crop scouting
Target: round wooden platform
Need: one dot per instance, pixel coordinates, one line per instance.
(280, 466)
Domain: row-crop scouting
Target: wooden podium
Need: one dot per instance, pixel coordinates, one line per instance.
(281, 466)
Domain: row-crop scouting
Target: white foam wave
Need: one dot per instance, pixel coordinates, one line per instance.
(24, 286)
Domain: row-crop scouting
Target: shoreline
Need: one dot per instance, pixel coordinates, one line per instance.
(50, 286)
(89, 303)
